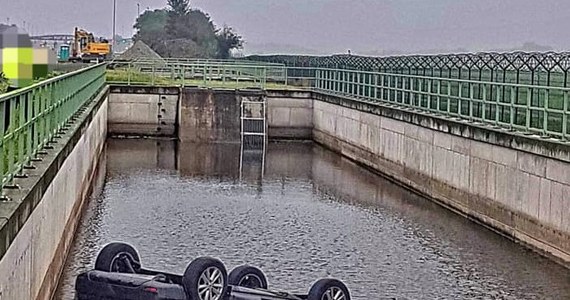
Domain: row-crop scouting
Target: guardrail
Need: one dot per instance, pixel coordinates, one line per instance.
(534, 68)
(532, 109)
(196, 73)
(30, 118)
(205, 61)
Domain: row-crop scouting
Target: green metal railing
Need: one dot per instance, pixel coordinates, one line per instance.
(534, 109)
(534, 68)
(502, 97)
(157, 60)
(197, 73)
(32, 117)
(499, 98)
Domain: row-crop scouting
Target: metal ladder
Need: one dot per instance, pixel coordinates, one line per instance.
(253, 134)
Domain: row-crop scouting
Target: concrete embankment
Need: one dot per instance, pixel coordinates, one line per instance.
(515, 184)
(38, 224)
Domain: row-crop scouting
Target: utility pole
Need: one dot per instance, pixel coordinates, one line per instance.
(114, 22)
(138, 9)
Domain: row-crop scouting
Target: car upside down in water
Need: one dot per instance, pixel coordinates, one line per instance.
(118, 274)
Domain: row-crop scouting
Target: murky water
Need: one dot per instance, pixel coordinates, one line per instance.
(311, 214)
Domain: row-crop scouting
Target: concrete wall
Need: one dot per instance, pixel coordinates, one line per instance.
(38, 224)
(208, 115)
(143, 111)
(153, 111)
(517, 185)
(289, 114)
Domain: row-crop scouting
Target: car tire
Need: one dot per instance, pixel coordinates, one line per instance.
(248, 276)
(328, 289)
(203, 277)
(116, 257)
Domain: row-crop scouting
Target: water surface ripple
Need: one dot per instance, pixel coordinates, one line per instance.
(314, 214)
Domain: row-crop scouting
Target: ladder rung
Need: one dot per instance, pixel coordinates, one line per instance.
(254, 133)
(248, 118)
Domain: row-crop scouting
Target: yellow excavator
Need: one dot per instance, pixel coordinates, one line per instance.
(86, 48)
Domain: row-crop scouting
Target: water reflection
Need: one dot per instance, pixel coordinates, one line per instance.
(300, 212)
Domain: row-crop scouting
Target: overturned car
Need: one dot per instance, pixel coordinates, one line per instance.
(118, 274)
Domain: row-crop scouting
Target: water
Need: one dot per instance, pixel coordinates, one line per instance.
(313, 214)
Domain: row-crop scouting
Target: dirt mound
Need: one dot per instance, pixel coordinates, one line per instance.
(139, 50)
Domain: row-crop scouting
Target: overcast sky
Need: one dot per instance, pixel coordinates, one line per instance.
(331, 25)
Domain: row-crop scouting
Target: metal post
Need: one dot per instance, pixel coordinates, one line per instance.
(565, 117)
(114, 23)
(545, 113)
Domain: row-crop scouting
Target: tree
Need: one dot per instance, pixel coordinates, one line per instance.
(177, 22)
(150, 29)
(179, 31)
(227, 40)
(201, 29)
(179, 7)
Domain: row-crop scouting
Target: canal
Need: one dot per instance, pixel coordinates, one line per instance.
(310, 214)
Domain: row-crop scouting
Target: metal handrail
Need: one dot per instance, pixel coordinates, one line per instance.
(533, 109)
(17, 92)
(198, 73)
(30, 118)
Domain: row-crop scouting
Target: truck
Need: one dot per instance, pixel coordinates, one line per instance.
(86, 47)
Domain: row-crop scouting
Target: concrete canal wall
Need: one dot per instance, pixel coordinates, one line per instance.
(290, 114)
(515, 184)
(143, 111)
(38, 224)
(210, 116)
(154, 111)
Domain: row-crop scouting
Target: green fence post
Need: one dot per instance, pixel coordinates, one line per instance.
(565, 113)
(129, 74)
(183, 75)
(3, 148)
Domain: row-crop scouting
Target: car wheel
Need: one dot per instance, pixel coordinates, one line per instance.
(329, 289)
(205, 278)
(247, 276)
(118, 257)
